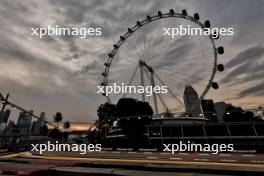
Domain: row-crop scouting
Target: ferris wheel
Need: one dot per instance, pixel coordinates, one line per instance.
(144, 56)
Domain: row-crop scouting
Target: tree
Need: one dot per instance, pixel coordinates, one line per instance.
(126, 107)
(133, 115)
(67, 125)
(129, 107)
(58, 118)
(106, 111)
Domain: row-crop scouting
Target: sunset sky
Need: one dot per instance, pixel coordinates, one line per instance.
(61, 73)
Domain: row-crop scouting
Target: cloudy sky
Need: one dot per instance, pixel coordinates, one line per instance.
(61, 73)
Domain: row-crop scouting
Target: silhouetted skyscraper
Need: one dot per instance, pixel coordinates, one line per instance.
(24, 121)
(191, 101)
(2, 128)
(209, 110)
(38, 123)
(1, 117)
(6, 115)
(220, 109)
(10, 127)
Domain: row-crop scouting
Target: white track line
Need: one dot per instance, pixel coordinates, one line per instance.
(257, 161)
(226, 160)
(152, 157)
(183, 153)
(148, 153)
(107, 149)
(224, 154)
(147, 150)
(197, 159)
(248, 155)
(124, 149)
(132, 152)
(175, 158)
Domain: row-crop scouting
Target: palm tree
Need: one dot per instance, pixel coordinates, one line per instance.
(58, 118)
(67, 125)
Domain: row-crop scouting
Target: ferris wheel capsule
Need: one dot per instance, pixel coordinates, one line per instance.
(220, 50)
(184, 12)
(110, 55)
(220, 67)
(149, 17)
(129, 30)
(196, 16)
(215, 85)
(207, 24)
(159, 13)
(122, 37)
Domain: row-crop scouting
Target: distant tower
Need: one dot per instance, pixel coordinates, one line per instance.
(191, 101)
(1, 117)
(24, 120)
(10, 127)
(21, 119)
(39, 123)
(220, 109)
(6, 116)
(209, 110)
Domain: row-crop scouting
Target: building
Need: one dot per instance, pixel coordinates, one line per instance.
(3, 120)
(209, 110)
(2, 128)
(259, 114)
(5, 116)
(33, 127)
(220, 109)
(24, 121)
(1, 116)
(10, 127)
(36, 126)
(192, 102)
